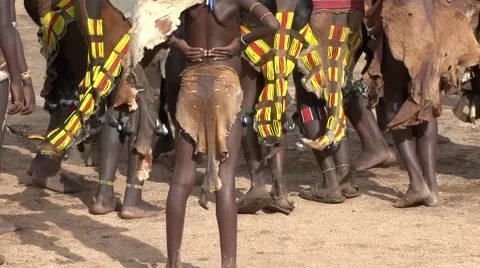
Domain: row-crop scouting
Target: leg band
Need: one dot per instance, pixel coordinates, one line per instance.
(343, 165)
(312, 113)
(106, 182)
(135, 186)
(327, 170)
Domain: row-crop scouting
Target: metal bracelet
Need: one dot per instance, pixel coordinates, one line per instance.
(241, 40)
(25, 75)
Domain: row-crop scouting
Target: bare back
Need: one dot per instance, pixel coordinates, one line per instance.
(209, 29)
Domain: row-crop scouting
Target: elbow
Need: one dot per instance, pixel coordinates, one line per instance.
(274, 26)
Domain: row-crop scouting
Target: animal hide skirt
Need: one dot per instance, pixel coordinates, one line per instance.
(431, 39)
(3, 68)
(208, 103)
(3, 73)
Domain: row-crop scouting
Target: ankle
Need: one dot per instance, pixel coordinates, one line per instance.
(229, 263)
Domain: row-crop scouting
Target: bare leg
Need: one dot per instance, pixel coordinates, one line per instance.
(111, 144)
(27, 83)
(45, 171)
(180, 188)
(279, 189)
(344, 173)
(257, 197)
(163, 144)
(375, 149)
(426, 135)
(328, 189)
(133, 205)
(418, 191)
(383, 122)
(176, 64)
(396, 80)
(225, 200)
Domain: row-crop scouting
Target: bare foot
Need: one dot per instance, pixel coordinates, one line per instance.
(443, 140)
(46, 174)
(367, 160)
(141, 210)
(104, 201)
(254, 200)
(433, 200)
(414, 197)
(6, 227)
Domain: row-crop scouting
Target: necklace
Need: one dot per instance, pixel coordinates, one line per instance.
(210, 4)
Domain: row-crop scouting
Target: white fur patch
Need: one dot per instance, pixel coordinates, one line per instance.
(3, 73)
(3, 76)
(145, 34)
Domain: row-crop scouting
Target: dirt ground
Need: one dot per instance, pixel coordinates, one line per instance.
(363, 232)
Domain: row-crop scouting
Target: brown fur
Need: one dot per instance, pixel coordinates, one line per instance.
(440, 39)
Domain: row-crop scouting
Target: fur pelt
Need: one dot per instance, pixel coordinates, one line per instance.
(146, 34)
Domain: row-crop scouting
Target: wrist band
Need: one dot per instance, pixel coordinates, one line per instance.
(254, 5)
(14, 23)
(25, 75)
(266, 14)
(241, 40)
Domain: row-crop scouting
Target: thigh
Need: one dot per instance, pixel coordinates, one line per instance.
(185, 158)
(227, 167)
(395, 80)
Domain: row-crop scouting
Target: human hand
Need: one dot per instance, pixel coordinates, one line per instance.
(192, 54)
(226, 53)
(17, 98)
(29, 104)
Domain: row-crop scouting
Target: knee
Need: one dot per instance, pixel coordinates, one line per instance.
(247, 118)
(180, 189)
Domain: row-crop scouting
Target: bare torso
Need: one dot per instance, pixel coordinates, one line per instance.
(209, 29)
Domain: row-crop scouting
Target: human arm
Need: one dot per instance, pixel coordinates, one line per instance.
(191, 54)
(9, 49)
(28, 92)
(269, 26)
(269, 23)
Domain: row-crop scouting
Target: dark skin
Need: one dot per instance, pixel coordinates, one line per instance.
(375, 149)
(417, 145)
(214, 34)
(111, 141)
(253, 151)
(252, 84)
(71, 63)
(23, 97)
(334, 161)
(334, 164)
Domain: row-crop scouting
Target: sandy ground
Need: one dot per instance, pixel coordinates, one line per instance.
(364, 232)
